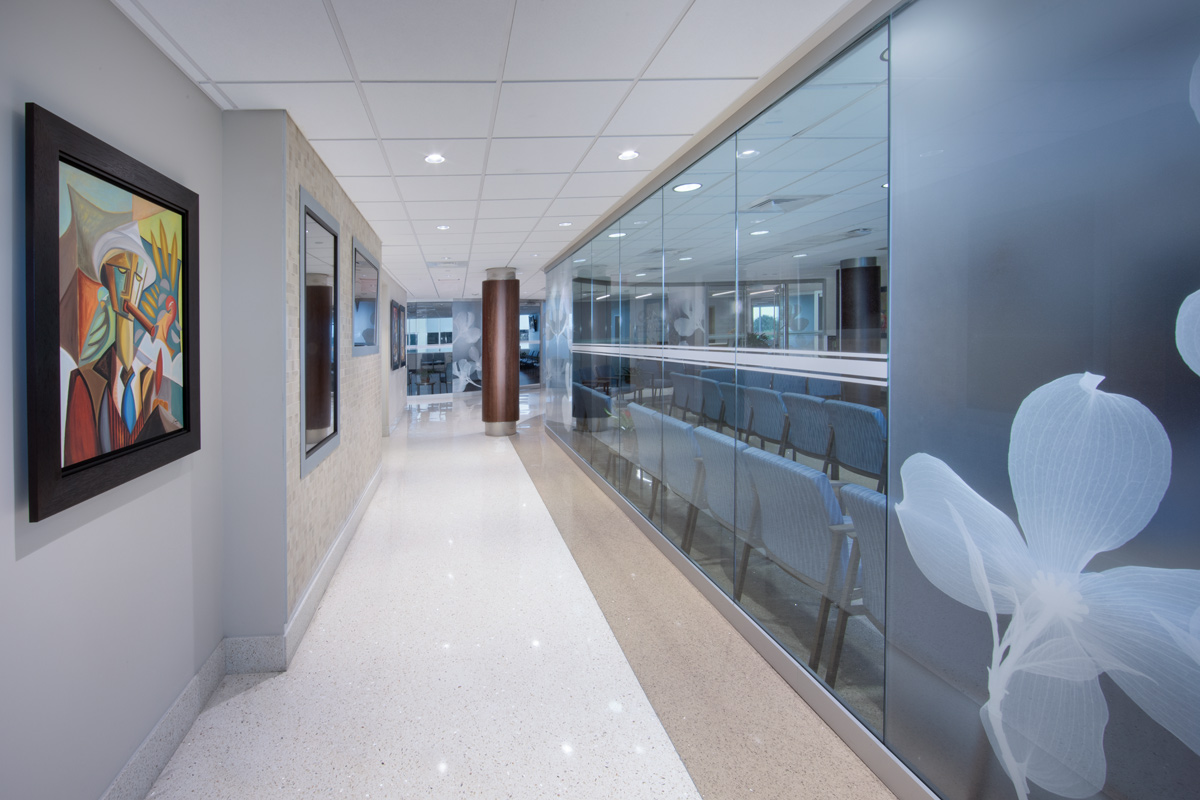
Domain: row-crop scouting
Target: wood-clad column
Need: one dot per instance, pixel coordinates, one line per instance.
(501, 351)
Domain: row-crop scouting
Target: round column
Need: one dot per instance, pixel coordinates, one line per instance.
(501, 351)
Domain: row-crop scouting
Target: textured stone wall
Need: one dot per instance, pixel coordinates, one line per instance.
(319, 504)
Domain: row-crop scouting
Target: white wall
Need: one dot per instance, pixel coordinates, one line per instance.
(252, 306)
(107, 609)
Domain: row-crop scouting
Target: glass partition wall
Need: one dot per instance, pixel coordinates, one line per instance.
(719, 333)
(1013, 605)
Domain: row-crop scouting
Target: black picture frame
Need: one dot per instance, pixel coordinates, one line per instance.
(402, 338)
(397, 332)
(53, 487)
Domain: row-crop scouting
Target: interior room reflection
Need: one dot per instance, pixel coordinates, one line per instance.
(708, 382)
(320, 333)
(366, 295)
(431, 338)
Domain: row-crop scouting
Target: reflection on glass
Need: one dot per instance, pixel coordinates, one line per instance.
(430, 348)
(706, 383)
(320, 332)
(366, 295)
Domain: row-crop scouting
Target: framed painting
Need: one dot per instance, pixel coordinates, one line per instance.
(397, 336)
(403, 349)
(112, 316)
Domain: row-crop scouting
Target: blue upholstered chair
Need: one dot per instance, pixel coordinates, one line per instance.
(823, 387)
(795, 384)
(737, 410)
(681, 388)
(718, 374)
(801, 527)
(768, 417)
(859, 440)
(867, 510)
(683, 471)
(729, 493)
(711, 405)
(808, 427)
(647, 427)
(751, 377)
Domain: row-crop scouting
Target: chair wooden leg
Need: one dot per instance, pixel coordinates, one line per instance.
(739, 582)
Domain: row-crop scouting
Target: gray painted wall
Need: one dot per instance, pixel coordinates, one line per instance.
(252, 311)
(108, 609)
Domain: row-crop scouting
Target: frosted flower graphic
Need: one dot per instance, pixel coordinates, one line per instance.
(1088, 470)
(465, 329)
(688, 324)
(1187, 325)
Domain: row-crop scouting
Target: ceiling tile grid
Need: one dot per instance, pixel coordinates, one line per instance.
(505, 121)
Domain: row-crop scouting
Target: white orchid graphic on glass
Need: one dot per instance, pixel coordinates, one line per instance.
(1187, 326)
(468, 371)
(464, 327)
(688, 324)
(1088, 470)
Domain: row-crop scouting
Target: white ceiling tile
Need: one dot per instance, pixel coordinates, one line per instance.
(571, 41)
(551, 236)
(547, 154)
(442, 211)
(369, 189)
(431, 110)
(496, 250)
(512, 208)
(234, 40)
(594, 206)
(601, 184)
(321, 110)
(453, 228)
(401, 252)
(424, 41)
(674, 107)
(351, 156)
(395, 233)
(450, 187)
(651, 150)
(501, 237)
(499, 225)
(556, 109)
(438, 240)
(578, 222)
(463, 156)
(720, 40)
(381, 212)
(522, 187)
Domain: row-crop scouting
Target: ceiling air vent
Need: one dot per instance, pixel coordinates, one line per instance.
(779, 205)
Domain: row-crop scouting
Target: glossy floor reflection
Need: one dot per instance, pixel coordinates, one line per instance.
(457, 653)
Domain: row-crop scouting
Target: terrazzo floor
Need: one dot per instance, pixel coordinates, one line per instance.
(462, 650)
(457, 653)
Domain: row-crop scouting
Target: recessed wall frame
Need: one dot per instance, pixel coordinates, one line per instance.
(366, 301)
(320, 407)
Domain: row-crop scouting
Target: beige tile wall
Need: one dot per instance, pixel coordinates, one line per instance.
(319, 504)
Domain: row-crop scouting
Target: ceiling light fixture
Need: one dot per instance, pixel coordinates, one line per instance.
(603, 297)
(443, 227)
(640, 222)
(643, 296)
(435, 158)
(629, 155)
(579, 261)
(615, 235)
(763, 291)
(686, 258)
(746, 154)
(758, 233)
(800, 255)
(565, 224)
(884, 185)
(687, 187)
(722, 294)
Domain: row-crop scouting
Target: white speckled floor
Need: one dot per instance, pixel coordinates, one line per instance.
(457, 653)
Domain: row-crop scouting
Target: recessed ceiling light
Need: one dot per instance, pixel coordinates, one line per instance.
(758, 233)
(763, 291)
(800, 255)
(746, 154)
(722, 294)
(687, 187)
(639, 275)
(615, 235)
(443, 227)
(884, 185)
(435, 158)
(640, 222)
(686, 258)
(565, 224)
(629, 155)
(579, 261)
(640, 296)
(604, 297)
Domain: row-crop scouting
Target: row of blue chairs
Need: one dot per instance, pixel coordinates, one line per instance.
(785, 509)
(796, 384)
(839, 433)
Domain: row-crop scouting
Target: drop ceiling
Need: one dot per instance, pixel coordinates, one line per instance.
(529, 102)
